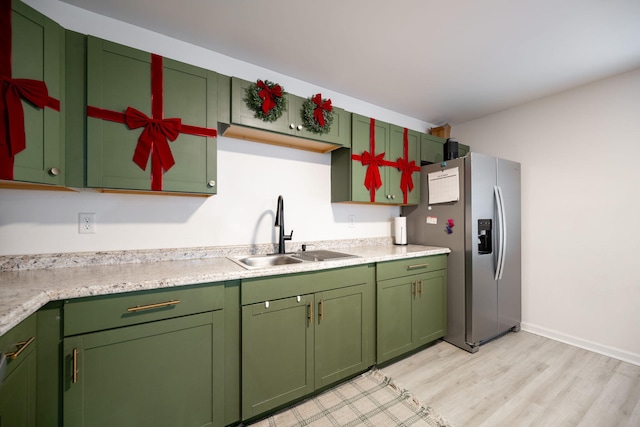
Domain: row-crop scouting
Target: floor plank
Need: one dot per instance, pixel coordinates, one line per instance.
(522, 379)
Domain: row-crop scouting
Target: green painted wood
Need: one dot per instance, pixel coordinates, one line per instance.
(119, 77)
(463, 150)
(411, 304)
(432, 148)
(75, 108)
(410, 266)
(38, 48)
(18, 394)
(360, 131)
(430, 311)
(283, 286)
(341, 176)
(89, 314)
(394, 318)
(345, 333)
(158, 374)
(291, 119)
(232, 354)
(277, 354)
(18, 390)
(49, 364)
(394, 176)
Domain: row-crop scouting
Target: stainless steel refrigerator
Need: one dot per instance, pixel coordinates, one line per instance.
(472, 206)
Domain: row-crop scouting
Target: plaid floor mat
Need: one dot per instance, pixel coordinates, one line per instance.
(370, 399)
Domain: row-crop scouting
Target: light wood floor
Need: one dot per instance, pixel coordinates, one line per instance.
(522, 379)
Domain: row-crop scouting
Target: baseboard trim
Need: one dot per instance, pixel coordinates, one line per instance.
(616, 353)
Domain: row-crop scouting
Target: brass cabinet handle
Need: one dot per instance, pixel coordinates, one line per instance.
(74, 367)
(21, 346)
(310, 317)
(321, 309)
(150, 306)
(415, 266)
(420, 289)
(413, 289)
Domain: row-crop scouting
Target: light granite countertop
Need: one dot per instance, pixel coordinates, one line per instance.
(23, 292)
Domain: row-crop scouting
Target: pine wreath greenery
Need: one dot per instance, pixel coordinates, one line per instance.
(266, 99)
(310, 119)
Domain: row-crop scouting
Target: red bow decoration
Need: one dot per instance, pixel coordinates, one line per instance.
(406, 167)
(156, 136)
(12, 91)
(372, 180)
(158, 131)
(318, 112)
(268, 95)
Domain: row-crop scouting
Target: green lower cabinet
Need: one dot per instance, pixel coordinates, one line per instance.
(18, 387)
(294, 346)
(277, 353)
(165, 373)
(411, 312)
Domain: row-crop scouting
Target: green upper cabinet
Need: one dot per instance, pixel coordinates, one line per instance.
(379, 161)
(150, 121)
(33, 49)
(288, 130)
(432, 149)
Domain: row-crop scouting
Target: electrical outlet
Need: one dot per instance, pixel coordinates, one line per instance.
(352, 224)
(87, 223)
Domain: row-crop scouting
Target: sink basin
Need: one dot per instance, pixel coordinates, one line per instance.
(264, 261)
(261, 261)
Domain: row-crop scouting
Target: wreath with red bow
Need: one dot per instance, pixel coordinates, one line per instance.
(266, 99)
(317, 114)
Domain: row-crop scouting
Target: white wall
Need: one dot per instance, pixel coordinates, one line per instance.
(250, 178)
(580, 154)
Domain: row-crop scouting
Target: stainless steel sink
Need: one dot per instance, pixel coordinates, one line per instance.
(263, 261)
(260, 261)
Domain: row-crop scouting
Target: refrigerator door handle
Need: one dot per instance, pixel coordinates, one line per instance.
(502, 229)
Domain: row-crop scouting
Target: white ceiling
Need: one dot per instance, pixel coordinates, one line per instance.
(434, 60)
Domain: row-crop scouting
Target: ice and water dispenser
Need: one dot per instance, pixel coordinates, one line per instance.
(484, 236)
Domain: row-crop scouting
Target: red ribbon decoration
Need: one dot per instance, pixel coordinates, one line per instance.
(406, 167)
(158, 131)
(268, 95)
(12, 91)
(318, 112)
(372, 179)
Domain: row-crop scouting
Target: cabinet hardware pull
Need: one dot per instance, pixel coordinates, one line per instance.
(413, 289)
(21, 346)
(74, 368)
(413, 267)
(421, 289)
(150, 306)
(310, 313)
(321, 309)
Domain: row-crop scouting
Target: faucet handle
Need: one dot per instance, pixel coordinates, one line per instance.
(285, 237)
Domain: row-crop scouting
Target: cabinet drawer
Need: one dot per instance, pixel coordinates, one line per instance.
(407, 267)
(18, 343)
(111, 311)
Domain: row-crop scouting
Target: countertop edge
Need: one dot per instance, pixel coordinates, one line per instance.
(28, 291)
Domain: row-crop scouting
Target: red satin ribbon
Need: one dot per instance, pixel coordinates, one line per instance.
(372, 179)
(12, 91)
(268, 95)
(158, 131)
(406, 167)
(318, 112)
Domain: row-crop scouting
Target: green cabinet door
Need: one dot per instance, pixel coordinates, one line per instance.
(352, 180)
(345, 333)
(165, 373)
(429, 311)
(289, 124)
(411, 313)
(432, 148)
(37, 53)
(408, 158)
(277, 353)
(18, 387)
(118, 78)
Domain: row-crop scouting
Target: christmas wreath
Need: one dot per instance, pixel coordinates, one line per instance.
(317, 114)
(266, 99)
